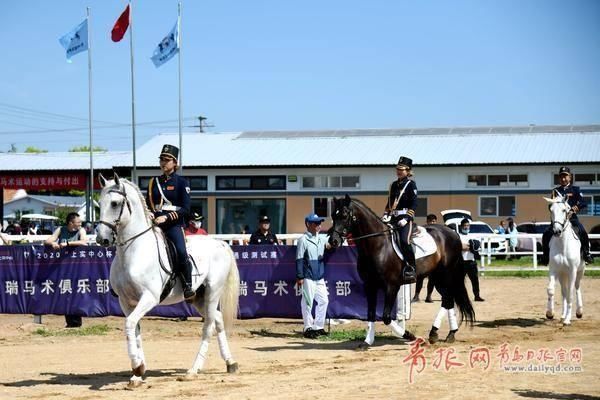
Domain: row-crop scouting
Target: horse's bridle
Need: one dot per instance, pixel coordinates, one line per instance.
(351, 220)
(114, 226)
(567, 219)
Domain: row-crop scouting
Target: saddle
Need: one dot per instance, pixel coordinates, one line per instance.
(421, 241)
(174, 261)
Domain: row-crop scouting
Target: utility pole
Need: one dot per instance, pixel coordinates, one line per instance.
(201, 124)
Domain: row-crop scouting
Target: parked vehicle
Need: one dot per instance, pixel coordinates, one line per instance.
(524, 242)
(452, 219)
(46, 223)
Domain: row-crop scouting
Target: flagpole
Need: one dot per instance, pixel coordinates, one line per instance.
(134, 170)
(179, 73)
(90, 208)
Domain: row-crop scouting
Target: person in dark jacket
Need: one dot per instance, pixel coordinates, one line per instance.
(577, 203)
(400, 212)
(263, 234)
(169, 200)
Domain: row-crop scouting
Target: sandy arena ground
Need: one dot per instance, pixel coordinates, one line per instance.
(276, 362)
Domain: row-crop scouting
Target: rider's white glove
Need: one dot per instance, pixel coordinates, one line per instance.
(402, 222)
(386, 218)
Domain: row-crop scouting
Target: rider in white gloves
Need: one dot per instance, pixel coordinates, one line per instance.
(400, 212)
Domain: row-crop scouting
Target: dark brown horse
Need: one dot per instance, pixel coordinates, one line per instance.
(380, 267)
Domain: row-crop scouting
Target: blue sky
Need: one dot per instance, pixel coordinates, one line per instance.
(265, 65)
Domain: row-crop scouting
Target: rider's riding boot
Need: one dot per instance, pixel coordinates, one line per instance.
(409, 273)
(186, 282)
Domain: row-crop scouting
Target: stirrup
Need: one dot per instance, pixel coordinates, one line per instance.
(189, 294)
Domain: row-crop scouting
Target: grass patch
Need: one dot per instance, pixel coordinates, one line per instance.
(92, 330)
(352, 335)
(531, 274)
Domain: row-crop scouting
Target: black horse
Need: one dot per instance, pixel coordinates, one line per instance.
(380, 267)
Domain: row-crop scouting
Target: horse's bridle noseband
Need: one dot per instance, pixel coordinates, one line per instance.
(114, 226)
(567, 219)
(352, 220)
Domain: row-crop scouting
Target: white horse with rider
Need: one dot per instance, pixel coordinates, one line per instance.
(566, 262)
(140, 272)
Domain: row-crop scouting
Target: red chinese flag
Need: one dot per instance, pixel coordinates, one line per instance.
(118, 31)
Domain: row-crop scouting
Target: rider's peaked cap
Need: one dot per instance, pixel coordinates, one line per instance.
(313, 218)
(405, 162)
(264, 218)
(564, 170)
(170, 150)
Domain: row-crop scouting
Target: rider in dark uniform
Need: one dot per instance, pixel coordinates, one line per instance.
(400, 211)
(169, 199)
(577, 203)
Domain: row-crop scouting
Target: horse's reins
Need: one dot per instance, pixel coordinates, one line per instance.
(115, 225)
(353, 219)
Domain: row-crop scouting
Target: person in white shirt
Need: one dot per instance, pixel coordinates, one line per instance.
(470, 255)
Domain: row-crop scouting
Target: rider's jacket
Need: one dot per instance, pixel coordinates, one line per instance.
(402, 198)
(574, 197)
(170, 196)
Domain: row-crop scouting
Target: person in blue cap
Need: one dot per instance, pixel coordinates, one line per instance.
(577, 202)
(310, 273)
(400, 212)
(168, 198)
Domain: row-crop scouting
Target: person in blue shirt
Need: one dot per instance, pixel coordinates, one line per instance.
(400, 212)
(169, 200)
(310, 273)
(577, 203)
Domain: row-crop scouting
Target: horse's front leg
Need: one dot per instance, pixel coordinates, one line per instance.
(550, 291)
(569, 291)
(134, 337)
(371, 292)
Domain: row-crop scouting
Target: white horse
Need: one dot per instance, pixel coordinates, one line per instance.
(140, 271)
(566, 262)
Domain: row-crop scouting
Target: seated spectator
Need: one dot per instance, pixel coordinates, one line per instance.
(70, 235)
(263, 234)
(194, 227)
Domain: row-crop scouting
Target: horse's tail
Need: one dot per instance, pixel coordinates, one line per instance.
(231, 293)
(459, 291)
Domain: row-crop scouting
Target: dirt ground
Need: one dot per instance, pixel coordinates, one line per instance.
(276, 362)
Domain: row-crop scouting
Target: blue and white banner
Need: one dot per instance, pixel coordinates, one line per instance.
(75, 280)
(75, 41)
(167, 48)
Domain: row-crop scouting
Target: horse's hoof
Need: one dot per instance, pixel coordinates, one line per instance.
(139, 370)
(363, 346)
(579, 315)
(387, 320)
(232, 368)
(134, 383)
(189, 376)
(433, 337)
(566, 323)
(549, 315)
(450, 338)
(409, 337)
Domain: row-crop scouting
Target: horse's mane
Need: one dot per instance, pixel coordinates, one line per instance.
(365, 208)
(132, 185)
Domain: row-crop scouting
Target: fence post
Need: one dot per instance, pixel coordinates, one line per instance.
(534, 240)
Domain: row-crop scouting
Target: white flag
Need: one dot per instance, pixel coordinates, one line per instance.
(75, 41)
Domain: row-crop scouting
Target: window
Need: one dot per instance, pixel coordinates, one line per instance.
(498, 180)
(421, 210)
(593, 205)
(330, 182)
(144, 182)
(321, 206)
(196, 182)
(582, 179)
(235, 215)
(251, 182)
(494, 206)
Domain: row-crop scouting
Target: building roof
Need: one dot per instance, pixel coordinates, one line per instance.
(373, 147)
(60, 201)
(68, 161)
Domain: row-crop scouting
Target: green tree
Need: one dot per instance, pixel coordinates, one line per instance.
(33, 149)
(86, 149)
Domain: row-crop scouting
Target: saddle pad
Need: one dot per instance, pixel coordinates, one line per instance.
(422, 242)
(200, 264)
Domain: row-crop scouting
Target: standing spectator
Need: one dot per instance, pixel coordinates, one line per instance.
(194, 227)
(501, 229)
(470, 255)
(70, 235)
(511, 231)
(263, 234)
(310, 272)
(13, 229)
(431, 219)
(33, 229)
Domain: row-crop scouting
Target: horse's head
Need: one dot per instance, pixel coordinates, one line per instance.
(115, 210)
(560, 212)
(343, 218)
